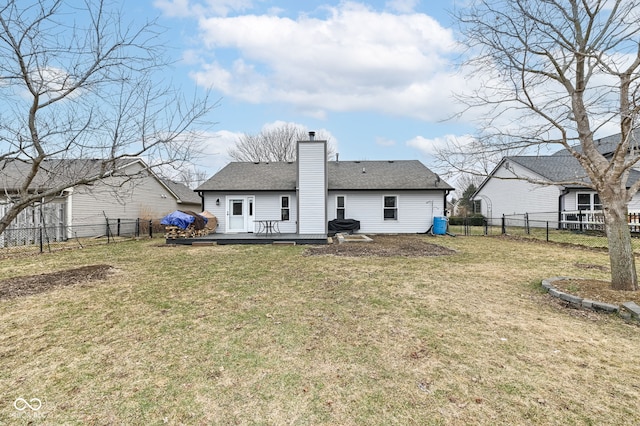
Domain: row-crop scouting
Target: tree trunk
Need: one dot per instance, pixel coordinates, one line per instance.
(623, 266)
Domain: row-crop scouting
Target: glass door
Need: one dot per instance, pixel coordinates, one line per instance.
(236, 215)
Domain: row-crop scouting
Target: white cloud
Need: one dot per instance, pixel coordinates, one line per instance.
(430, 147)
(355, 59)
(215, 150)
(216, 145)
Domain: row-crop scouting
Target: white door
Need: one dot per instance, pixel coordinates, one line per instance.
(237, 215)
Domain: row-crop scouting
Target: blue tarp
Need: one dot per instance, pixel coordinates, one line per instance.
(183, 220)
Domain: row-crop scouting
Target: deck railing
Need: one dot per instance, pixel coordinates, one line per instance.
(593, 220)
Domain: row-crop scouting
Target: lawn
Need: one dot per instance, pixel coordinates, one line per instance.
(274, 335)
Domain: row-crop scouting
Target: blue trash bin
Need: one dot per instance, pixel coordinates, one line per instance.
(439, 225)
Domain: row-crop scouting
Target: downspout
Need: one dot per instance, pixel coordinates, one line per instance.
(201, 200)
(69, 212)
(444, 208)
(564, 192)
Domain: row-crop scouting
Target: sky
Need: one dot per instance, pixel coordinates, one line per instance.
(376, 76)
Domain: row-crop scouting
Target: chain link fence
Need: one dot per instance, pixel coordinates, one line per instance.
(45, 239)
(568, 232)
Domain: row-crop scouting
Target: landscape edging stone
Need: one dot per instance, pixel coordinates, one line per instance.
(631, 310)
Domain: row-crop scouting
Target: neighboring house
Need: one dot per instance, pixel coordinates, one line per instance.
(384, 196)
(184, 196)
(130, 190)
(534, 185)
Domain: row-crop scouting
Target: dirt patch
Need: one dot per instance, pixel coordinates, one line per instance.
(382, 246)
(35, 284)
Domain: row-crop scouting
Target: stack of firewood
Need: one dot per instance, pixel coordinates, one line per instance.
(177, 232)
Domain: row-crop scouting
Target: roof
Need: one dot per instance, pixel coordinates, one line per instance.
(555, 168)
(55, 173)
(342, 175)
(183, 193)
(607, 145)
(64, 173)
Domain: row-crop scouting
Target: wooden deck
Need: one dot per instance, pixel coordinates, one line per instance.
(222, 239)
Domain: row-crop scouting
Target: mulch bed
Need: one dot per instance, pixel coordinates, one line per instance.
(597, 290)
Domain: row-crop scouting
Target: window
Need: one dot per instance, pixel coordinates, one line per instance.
(236, 208)
(390, 207)
(477, 206)
(284, 207)
(589, 201)
(340, 207)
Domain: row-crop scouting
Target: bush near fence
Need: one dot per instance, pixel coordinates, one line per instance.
(43, 239)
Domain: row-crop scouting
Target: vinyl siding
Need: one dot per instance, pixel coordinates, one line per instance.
(515, 196)
(209, 204)
(142, 197)
(267, 206)
(634, 204)
(416, 210)
(312, 187)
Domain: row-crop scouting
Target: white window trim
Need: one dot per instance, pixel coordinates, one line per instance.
(592, 196)
(344, 207)
(396, 207)
(288, 197)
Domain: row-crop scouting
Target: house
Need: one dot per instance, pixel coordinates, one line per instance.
(127, 190)
(539, 187)
(303, 196)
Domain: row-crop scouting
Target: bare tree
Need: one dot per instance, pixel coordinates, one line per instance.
(273, 144)
(188, 175)
(556, 72)
(77, 82)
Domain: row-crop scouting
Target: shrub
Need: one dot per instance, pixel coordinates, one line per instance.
(473, 220)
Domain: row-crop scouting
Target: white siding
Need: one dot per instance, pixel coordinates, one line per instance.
(570, 201)
(516, 196)
(634, 204)
(312, 187)
(416, 210)
(266, 206)
(209, 202)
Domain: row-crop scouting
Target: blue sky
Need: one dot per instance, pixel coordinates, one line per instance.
(377, 76)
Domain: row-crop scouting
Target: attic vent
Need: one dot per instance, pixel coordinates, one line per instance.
(256, 162)
(357, 162)
(391, 161)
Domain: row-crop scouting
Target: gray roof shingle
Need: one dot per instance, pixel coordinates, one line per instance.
(54, 173)
(342, 175)
(607, 145)
(183, 192)
(555, 168)
(560, 168)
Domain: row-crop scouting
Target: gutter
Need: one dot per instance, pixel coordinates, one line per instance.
(564, 192)
(200, 194)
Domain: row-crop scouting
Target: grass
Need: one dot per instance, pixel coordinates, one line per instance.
(267, 335)
(591, 239)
